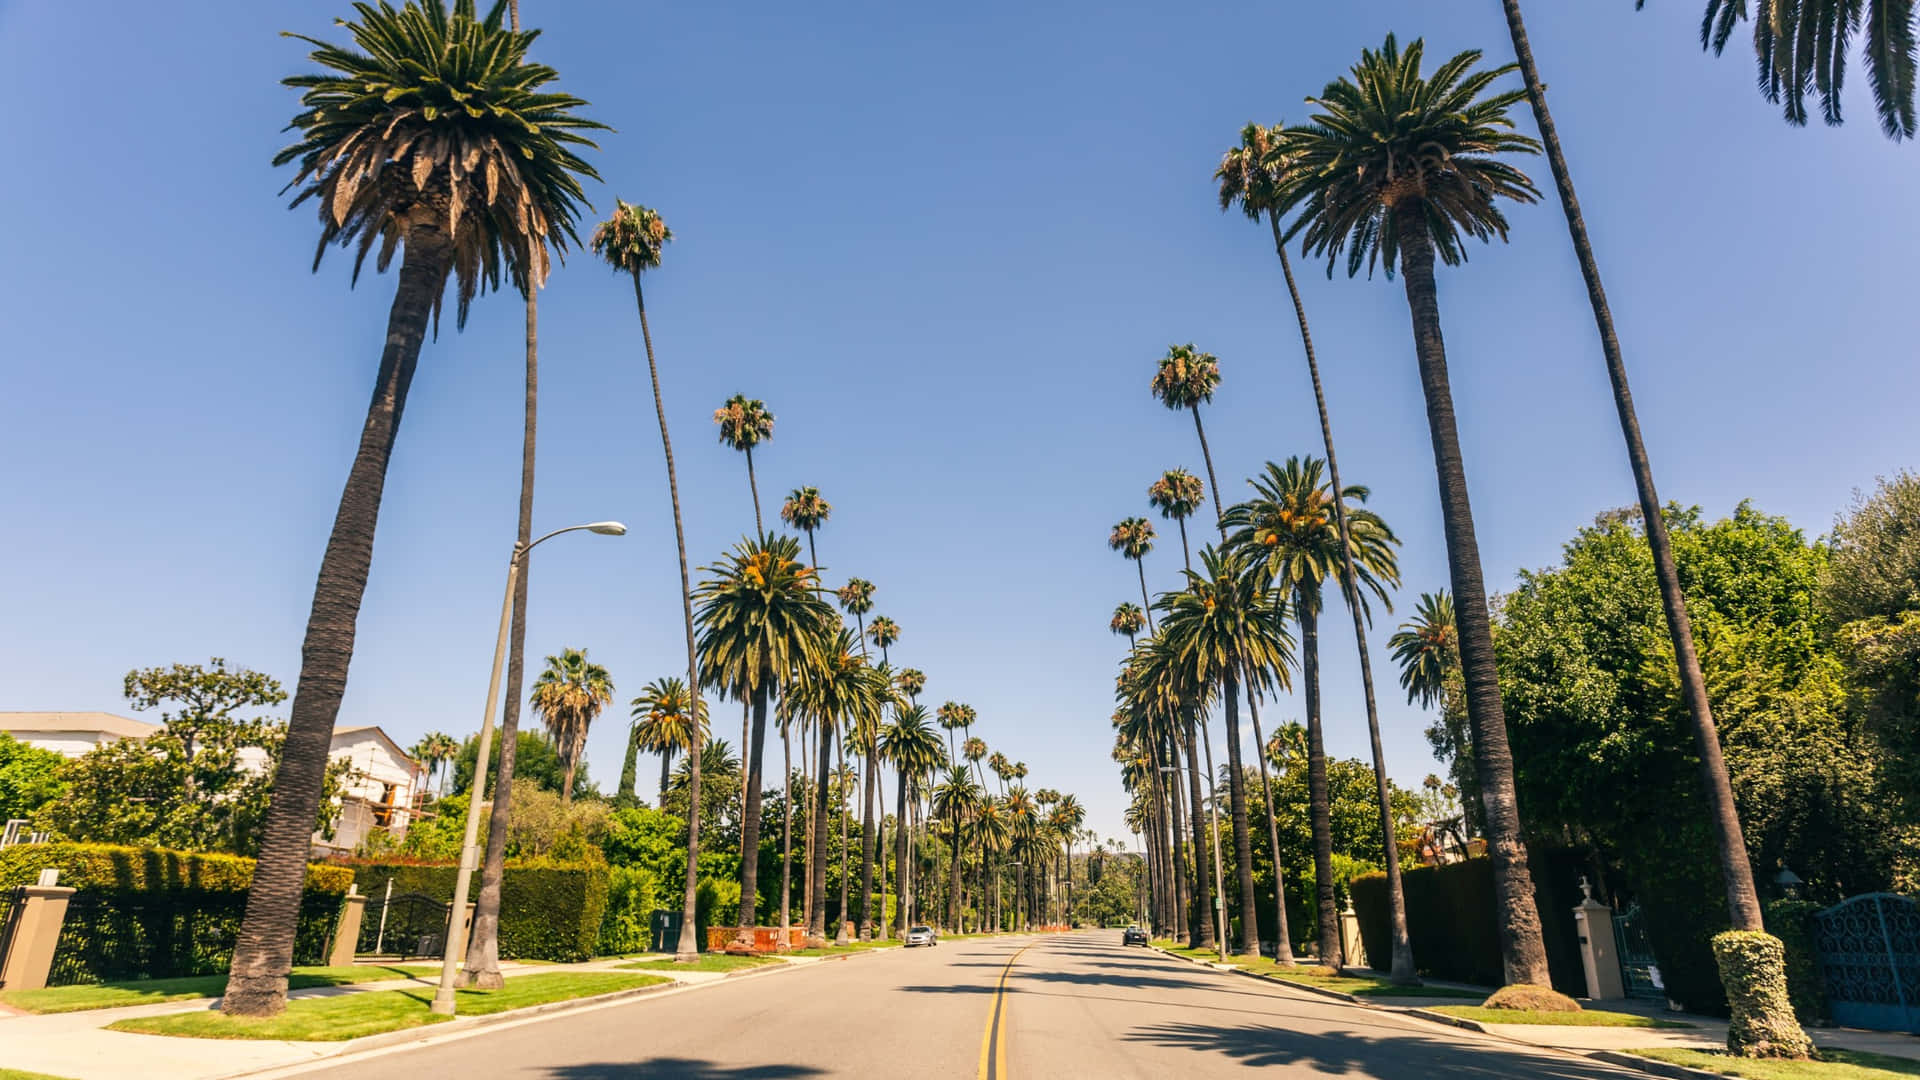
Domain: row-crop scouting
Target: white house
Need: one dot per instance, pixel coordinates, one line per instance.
(380, 794)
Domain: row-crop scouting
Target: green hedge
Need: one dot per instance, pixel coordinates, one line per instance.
(1753, 968)
(159, 913)
(1452, 922)
(1792, 922)
(633, 893)
(548, 911)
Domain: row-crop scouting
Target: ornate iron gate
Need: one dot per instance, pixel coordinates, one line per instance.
(404, 925)
(1639, 971)
(1870, 961)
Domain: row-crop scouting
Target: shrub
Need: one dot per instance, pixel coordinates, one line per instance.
(158, 913)
(1530, 999)
(1753, 969)
(632, 896)
(548, 910)
(716, 903)
(1791, 922)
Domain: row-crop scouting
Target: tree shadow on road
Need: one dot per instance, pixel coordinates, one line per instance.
(1347, 1053)
(677, 1068)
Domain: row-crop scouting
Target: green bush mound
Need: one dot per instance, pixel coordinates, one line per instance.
(1523, 998)
(548, 910)
(1753, 968)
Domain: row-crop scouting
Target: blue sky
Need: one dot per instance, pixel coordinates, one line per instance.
(946, 246)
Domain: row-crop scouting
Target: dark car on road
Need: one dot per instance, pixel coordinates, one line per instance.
(1133, 935)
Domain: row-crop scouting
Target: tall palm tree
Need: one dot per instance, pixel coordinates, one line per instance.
(1177, 702)
(1427, 650)
(884, 632)
(1399, 169)
(1290, 527)
(1128, 619)
(807, 511)
(1133, 539)
(843, 693)
(436, 750)
(1017, 808)
(1186, 379)
(630, 241)
(375, 138)
(1066, 817)
(955, 800)
(867, 741)
(567, 697)
(663, 724)
(973, 750)
(761, 621)
(856, 599)
(1890, 67)
(991, 834)
(1177, 495)
(912, 747)
(911, 681)
(1228, 625)
(953, 717)
(1802, 44)
(744, 424)
(1250, 176)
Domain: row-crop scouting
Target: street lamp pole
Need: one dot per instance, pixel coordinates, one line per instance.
(443, 1000)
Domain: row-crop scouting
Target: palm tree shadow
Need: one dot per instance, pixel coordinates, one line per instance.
(1347, 1053)
(676, 1068)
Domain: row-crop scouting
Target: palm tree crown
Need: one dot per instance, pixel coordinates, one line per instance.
(662, 717)
(1177, 494)
(1427, 648)
(910, 743)
(1127, 619)
(761, 617)
(911, 681)
(1289, 527)
(883, 632)
(567, 697)
(631, 240)
(856, 596)
(1186, 377)
(805, 509)
(1132, 537)
(438, 118)
(1227, 623)
(1389, 138)
(744, 422)
(1249, 174)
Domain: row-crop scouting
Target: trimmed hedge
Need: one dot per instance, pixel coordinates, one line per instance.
(548, 911)
(632, 897)
(1791, 922)
(159, 913)
(1753, 968)
(1452, 923)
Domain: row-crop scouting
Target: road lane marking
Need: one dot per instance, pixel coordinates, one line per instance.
(993, 1041)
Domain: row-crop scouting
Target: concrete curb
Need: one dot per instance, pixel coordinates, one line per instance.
(1337, 995)
(1654, 1068)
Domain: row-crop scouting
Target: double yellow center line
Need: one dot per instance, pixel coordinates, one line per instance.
(993, 1041)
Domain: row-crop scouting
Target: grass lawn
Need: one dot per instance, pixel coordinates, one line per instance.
(1834, 1065)
(349, 1016)
(60, 999)
(716, 962)
(853, 947)
(1357, 985)
(16, 1074)
(1583, 1018)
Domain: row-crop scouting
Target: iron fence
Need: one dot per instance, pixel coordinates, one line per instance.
(403, 925)
(110, 936)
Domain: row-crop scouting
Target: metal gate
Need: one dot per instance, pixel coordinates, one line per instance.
(1639, 971)
(1869, 950)
(404, 925)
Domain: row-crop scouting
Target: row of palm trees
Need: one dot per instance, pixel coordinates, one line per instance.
(1397, 168)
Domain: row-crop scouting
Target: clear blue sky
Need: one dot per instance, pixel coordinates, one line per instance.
(946, 246)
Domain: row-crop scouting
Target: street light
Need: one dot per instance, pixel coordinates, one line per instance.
(1219, 889)
(469, 848)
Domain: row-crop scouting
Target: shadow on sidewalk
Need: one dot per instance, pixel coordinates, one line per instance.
(675, 1068)
(1347, 1053)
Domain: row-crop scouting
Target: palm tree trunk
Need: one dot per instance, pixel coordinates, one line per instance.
(1145, 601)
(846, 881)
(1200, 914)
(688, 948)
(753, 485)
(483, 947)
(749, 754)
(1522, 948)
(1173, 853)
(1319, 800)
(953, 881)
(1186, 550)
(1736, 871)
(866, 847)
(786, 834)
(817, 868)
(1283, 937)
(806, 826)
(1206, 454)
(901, 844)
(750, 823)
(1242, 832)
(263, 953)
(1403, 969)
(666, 774)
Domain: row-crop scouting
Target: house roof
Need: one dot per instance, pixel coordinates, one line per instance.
(108, 723)
(383, 736)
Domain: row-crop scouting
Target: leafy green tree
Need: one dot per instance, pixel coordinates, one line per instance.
(567, 697)
(631, 242)
(29, 778)
(1397, 169)
(538, 762)
(744, 424)
(433, 138)
(202, 699)
(761, 622)
(1870, 595)
(1603, 735)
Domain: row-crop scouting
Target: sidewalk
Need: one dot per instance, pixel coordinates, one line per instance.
(74, 1045)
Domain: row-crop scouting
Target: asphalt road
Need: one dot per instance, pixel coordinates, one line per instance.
(1077, 1005)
